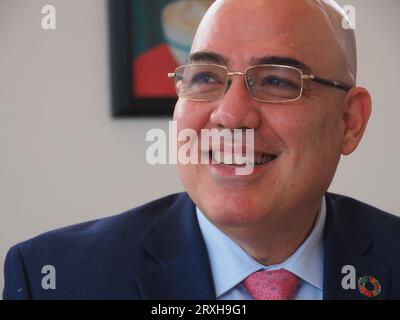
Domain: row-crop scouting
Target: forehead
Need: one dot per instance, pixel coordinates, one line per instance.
(294, 29)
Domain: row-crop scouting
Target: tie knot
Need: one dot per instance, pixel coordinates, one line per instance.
(272, 285)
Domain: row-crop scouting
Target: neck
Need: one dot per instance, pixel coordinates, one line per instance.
(276, 239)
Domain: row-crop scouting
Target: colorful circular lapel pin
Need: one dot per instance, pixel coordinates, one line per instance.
(369, 286)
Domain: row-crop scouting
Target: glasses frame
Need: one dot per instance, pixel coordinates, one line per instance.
(330, 83)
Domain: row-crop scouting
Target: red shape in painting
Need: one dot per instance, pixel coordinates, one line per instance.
(150, 70)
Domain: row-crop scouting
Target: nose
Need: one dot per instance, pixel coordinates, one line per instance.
(236, 109)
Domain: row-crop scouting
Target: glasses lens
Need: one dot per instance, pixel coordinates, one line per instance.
(274, 83)
(201, 82)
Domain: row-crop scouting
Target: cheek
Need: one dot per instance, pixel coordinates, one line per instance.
(314, 128)
(195, 116)
(191, 115)
(324, 133)
(312, 136)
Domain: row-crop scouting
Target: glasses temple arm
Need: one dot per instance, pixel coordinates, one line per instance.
(334, 84)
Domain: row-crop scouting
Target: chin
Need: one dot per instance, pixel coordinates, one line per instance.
(231, 211)
(227, 204)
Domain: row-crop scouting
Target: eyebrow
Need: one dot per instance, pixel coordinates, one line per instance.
(212, 57)
(206, 56)
(286, 61)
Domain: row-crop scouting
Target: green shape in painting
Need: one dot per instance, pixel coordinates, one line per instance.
(146, 24)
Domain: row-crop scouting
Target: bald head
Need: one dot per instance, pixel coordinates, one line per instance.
(310, 29)
(345, 38)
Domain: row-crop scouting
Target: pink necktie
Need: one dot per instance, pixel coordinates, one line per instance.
(272, 285)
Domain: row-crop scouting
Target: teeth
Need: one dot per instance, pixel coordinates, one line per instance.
(217, 157)
(259, 158)
(227, 159)
(238, 159)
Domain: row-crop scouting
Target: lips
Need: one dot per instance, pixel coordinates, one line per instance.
(239, 159)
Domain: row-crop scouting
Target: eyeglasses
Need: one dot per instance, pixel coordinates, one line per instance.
(266, 83)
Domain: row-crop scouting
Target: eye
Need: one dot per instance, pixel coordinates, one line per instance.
(202, 78)
(278, 82)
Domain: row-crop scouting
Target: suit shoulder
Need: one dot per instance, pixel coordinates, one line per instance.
(94, 259)
(135, 223)
(367, 217)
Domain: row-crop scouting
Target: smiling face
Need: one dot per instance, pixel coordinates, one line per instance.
(305, 136)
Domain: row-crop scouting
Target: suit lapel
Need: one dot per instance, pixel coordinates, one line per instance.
(346, 244)
(182, 270)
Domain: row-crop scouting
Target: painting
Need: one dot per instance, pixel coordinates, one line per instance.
(148, 40)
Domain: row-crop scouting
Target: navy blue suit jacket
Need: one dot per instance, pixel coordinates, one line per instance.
(156, 251)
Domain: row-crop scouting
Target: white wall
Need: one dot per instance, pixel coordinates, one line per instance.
(372, 173)
(63, 159)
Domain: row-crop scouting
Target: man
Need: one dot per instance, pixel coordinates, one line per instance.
(287, 70)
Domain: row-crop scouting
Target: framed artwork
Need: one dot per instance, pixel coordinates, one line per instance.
(148, 39)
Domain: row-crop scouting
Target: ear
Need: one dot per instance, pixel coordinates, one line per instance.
(356, 113)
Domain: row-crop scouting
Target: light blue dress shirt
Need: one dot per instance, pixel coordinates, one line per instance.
(230, 264)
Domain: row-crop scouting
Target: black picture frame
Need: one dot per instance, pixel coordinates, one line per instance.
(124, 103)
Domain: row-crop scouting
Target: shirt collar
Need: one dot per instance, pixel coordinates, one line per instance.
(230, 264)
